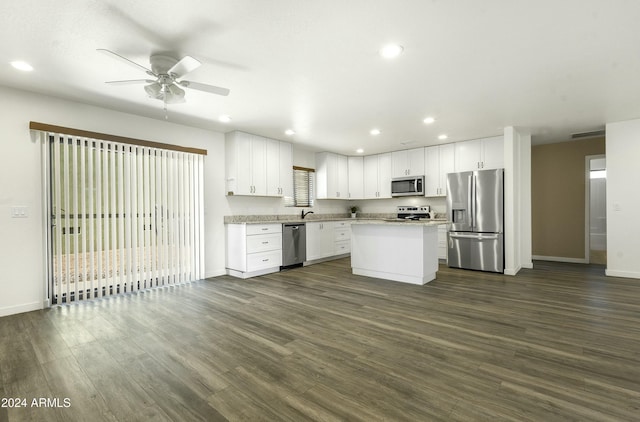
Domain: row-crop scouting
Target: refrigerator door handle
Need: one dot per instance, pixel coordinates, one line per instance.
(474, 236)
(472, 200)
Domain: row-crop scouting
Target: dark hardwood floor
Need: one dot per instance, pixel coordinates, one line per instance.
(557, 343)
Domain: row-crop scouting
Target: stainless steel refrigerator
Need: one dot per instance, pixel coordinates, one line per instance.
(475, 208)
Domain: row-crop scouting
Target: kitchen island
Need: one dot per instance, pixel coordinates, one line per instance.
(405, 251)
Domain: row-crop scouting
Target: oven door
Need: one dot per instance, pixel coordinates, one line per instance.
(407, 186)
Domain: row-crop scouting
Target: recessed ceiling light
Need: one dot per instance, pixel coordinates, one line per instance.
(429, 120)
(375, 132)
(225, 118)
(391, 51)
(359, 150)
(442, 137)
(289, 132)
(20, 65)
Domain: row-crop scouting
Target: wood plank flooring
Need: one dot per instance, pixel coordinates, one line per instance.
(557, 343)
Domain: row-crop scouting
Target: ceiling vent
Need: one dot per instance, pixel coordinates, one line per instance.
(592, 134)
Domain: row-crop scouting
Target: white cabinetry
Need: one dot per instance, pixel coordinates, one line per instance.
(439, 160)
(320, 240)
(442, 241)
(253, 249)
(356, 177)
(478, 154)
(257, 166)
(332, 176)
(342, 237)
(327, 239)
(409, 162)
(279, 168)
(377, 176)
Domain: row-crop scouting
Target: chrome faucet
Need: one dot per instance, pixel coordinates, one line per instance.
(304, 214)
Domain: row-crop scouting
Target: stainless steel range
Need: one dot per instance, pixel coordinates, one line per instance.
(414, 213)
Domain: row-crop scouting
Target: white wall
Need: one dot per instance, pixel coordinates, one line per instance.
(22, 281)
(623, 199)
(517, 200)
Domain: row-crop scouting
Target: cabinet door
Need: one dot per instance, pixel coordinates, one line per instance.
(286, 169)
(384, 175)
(342, 182)
(370, 177)
(468, 155)
(328, 240)
(244, 172)
(356, 177)
(314, 241)
(432, 171)
(415, 162)
(320, 240)
(493, 153)
(273, 167)
(447, 165)
(259, 165)
(400, 163)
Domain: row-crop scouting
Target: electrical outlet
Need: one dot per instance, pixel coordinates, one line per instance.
(19, 212)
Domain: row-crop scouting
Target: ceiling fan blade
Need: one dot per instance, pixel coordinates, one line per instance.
(184, 66)
(125, 60)
(205, 87)
(131, 82)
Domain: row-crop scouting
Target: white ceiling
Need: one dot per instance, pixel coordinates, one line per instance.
(551, 67)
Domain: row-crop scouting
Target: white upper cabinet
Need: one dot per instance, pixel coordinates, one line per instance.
(257, 166)
(377, 176)
(439, 160)
(332, 176)
(279, 168)
(356, 177)
(478, 154)
(409, 162)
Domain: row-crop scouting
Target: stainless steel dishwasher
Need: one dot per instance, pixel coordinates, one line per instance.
(294, 245)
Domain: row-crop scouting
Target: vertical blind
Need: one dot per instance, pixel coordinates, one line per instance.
(123, 217)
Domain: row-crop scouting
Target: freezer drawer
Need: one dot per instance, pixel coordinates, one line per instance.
(476, 251)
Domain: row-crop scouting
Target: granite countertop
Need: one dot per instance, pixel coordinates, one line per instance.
(365, 218)
(399, 222)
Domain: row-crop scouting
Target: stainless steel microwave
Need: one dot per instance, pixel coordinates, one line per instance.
(407, 186)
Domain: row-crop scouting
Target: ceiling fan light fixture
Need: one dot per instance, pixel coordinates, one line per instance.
(154, 90)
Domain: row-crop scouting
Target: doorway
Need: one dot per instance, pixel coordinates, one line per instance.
(596, 210)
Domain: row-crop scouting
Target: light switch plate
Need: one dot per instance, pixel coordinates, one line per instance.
(19, 212)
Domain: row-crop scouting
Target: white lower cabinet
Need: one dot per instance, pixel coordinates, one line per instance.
(342, 237)
(253, 249)
(328, 239)
(442, 241)
(319, 240)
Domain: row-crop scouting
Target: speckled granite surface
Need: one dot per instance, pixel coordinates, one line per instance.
(295, 218)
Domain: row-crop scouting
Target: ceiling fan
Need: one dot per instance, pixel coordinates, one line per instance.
(166, 72)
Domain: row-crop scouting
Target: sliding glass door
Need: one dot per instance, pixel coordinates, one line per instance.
(122, 217)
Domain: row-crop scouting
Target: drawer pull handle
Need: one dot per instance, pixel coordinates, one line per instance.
(265, 243)
(265, 228)
(265, 260)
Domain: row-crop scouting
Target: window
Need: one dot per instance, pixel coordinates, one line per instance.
(303, 188)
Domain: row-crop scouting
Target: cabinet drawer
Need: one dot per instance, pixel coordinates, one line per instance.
(342, 224)
(342, 234)
(343, 247)
(263, 228)
(263, 260)
(264, 242)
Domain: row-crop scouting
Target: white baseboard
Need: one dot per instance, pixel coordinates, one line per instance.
(215, 273)
(559, 259)
(528, 265)
(625, 274)
(512, 271)
(27, 307)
